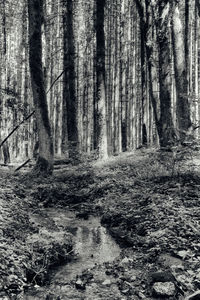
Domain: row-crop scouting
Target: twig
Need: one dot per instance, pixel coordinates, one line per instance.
(21, 166)
(30, 115)
(25, 119)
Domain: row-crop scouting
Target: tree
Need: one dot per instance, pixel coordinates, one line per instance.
(100, 126)
(160, 12)
(44, 162)
(180, 48)
(166, 129)
(70, 109)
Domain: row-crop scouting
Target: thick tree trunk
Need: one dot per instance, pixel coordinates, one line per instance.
(166, 131)
(100, 126)
(180, 66)
(70, 109)
(44, 162)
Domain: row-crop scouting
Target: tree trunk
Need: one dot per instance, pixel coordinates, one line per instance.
(44, 162)
(100, 126)
(166, 129)
(69, 88)
(180, 66)
(163, 119)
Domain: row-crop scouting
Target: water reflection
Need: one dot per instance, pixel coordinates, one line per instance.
(93, 245)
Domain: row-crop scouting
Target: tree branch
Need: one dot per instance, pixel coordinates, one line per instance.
(55, 81)
(30, 115)
(25, 119)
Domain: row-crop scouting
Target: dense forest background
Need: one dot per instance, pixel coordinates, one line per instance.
(83, 84)
(116, 75)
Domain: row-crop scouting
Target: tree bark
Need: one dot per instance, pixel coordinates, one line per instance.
(44, 162)
(163, 118)
(166, 131)
(180, 66)
(100, 126)
(70, 110)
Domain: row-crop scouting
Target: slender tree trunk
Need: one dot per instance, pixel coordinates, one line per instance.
(143, 78)
(100, 126)
(45, 158)
(69, 88)
(186, 38)
(180, 66)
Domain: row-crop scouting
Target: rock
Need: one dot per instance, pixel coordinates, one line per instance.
(106, 282)
(80, 284)
(195, 296)
(161, 277)
(182, 254)
(164, 290)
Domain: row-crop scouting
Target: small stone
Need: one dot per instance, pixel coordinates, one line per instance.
(106, 282)
(182, 254)
(80, 284)
(36, 286)
(167, 289)
(162, 277)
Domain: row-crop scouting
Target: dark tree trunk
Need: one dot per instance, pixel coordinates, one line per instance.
(44, 162)
(70, 110)
(100, 128)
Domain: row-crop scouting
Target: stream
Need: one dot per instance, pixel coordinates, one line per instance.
(93, 247)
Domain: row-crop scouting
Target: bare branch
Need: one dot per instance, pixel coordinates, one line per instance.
(30, 115)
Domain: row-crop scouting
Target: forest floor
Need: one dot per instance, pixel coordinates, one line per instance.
(148, 201)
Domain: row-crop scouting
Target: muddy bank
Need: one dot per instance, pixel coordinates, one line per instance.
(27, 249)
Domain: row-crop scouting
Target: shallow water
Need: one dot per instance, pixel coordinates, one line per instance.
(93, 245)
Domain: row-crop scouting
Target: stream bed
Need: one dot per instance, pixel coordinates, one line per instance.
(93, 247)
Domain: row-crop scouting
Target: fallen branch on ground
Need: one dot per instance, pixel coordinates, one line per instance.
(21, 166)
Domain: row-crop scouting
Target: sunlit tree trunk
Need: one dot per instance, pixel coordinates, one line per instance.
(180, 66)
(45, 158)
(166, 129)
